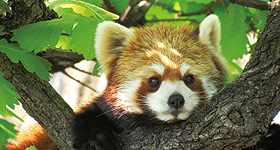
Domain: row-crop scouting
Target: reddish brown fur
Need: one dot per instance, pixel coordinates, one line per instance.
(34, 135)
(143, 49)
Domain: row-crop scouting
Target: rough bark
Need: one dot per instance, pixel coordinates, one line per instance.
(235, 118)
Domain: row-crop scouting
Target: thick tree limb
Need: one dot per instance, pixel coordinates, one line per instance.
(236, 116)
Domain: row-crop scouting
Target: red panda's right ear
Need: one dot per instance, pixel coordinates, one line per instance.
(110, 38)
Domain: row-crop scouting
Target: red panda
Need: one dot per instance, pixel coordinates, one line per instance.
(155, 74)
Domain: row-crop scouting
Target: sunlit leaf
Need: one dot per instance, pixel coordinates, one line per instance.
(233, 31)
(7, 131)
(8, 97)
(96, 69)
(86, 9)
(120, 6)
(39, 35)
(83, 37)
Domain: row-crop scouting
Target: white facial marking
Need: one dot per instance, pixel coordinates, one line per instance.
(209, 86)
(160, 45)
(127, 96)
(159, 68)
(175, 52)
(184, 68)
(158, 101)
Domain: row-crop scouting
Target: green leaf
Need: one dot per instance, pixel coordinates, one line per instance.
(1, 30)
(177, 6)
(31, 148)
(7, 131)
(64, 43)
(83, 37)
(39, 35)
(30, 61)
(96, 69)
(120, 6)
(2, 4)
(152, 13)
(258, 17)
(61, 11)
(233, 31)
(94, 2)
(235, 69)
(7, 98)
(86, 9)
(188, 7)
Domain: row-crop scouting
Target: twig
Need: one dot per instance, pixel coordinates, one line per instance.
(83, 84)
(83, 71)
(163, 6)
(66, 34)
(129, 7)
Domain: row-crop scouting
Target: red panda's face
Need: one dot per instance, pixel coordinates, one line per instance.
(164, 70)
(168, 99)
(167, 84)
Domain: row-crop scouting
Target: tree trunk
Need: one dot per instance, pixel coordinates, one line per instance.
(235, 117)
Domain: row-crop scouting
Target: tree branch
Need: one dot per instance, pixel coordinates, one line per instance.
(83, 84)
(253, 3)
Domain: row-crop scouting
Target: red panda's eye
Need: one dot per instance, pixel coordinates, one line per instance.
(154, 82)
(189, 79)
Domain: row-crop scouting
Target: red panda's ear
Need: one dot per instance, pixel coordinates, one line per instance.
(209, 34)
(109, 41)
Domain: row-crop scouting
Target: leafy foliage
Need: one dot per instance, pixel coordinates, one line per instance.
(7, 131)
(82, 39)
(233, 31)
(39, 35)
(2, 6)
(8, 98)
(29, 60)
(84, 8)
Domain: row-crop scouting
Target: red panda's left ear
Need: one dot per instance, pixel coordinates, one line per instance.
(109, 41)
(209, 34)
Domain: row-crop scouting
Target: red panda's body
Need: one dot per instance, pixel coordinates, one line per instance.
(155, 74)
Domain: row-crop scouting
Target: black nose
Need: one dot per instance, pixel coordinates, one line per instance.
(176, 101)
